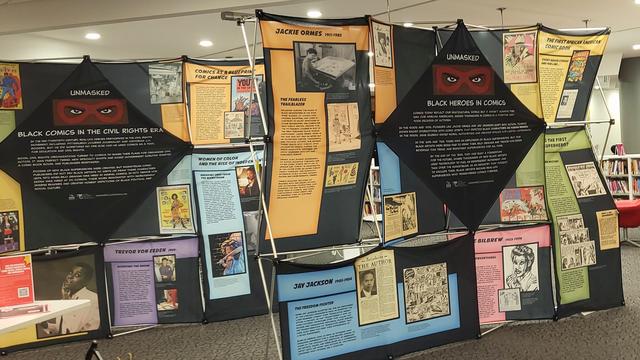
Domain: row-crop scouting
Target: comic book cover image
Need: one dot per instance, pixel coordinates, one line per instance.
(9, 231)
(523, 204)
(577, 65)
(11, 88)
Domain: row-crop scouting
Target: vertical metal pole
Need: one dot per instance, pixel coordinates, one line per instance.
(269, 306)
(606, 107)
(253, 73)
(501, 9)
(187, 104)
(268, 297)
(253, 154)
(262, 201)
(373, 203)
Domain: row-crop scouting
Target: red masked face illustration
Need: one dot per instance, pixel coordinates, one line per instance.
(70, 112)
(462, 80)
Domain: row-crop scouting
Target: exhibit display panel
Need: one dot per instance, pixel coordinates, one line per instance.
(222, 100)
(385, 303)
(186, 187)
(586, 247)
(84, 158)
(70, 287)
(401, 55)
(568, 63)
(153, 282)
(31, 85)
(228, 204)
(461, 130)
(319, 112)
(513, 270)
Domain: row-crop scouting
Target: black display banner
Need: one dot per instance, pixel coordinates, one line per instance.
(252, 303)
(523, 199)
(388, 302)
(461, 130)
(154, 282)
(586, 247)
(395, 50)
(319, 110)
(71, 285)
(409, 207)
(90, 154)
(226, 190)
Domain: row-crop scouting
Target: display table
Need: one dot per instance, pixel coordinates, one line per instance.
(56, 308)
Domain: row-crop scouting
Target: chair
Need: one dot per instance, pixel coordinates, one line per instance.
(629, 217)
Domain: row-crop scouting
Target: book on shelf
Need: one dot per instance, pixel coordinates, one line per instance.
(615, 167)
(635, 164)
(375, 177)
(369, 211)
(636, 185)
(619, 187)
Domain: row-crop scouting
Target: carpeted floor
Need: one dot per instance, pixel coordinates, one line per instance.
(611, 334)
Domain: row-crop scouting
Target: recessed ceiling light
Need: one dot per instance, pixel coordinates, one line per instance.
(636, 47)
(92, 36)
(206, 43)
(407, 24)
(314, 14)
(637, 2)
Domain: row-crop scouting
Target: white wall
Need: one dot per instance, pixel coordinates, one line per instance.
(597, 112)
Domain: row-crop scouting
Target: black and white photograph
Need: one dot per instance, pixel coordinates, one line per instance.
(570, 222)
(343, 123)
(400, 215)
(567, 103)
(234, 124)
(426, 292)
(71, 278)
(520, 264)
(509, 300)
(382, 44)
(251, 228)
(585, 180)
(165, 83)
(325, 67)
(368, 286)
(165, 268)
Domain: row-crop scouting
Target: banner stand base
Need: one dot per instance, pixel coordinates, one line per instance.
(494, 328)
(127, 332)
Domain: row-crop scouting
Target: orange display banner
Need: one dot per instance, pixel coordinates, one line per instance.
(315, 115)
(217, 94)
